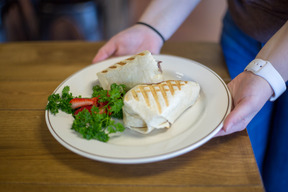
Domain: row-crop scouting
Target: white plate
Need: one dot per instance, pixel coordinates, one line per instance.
(193, 128)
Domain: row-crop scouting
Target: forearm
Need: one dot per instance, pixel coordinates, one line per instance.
(167, 15)
(276, 51)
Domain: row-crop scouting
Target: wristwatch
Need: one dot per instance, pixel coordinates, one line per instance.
(266, 70)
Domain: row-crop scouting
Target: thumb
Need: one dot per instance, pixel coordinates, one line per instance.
(239, 117)
(236, 120)
(106, 51)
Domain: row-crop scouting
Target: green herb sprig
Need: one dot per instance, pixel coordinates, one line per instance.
(114, 97)
(57, 102)
(93, 125)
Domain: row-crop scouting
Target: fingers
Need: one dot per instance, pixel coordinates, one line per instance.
(237, 120)
(239, 117)
(221, 133)
(106, 51)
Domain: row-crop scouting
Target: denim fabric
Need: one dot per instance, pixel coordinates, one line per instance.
(268, 131)
(275, 172)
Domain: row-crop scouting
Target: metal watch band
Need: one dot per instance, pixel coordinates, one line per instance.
(266, 70)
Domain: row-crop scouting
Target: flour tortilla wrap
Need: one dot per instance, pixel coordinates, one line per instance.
(157, 106)
(138, 69)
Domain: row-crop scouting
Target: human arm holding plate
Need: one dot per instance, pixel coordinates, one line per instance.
(249, 91)
(163, 15)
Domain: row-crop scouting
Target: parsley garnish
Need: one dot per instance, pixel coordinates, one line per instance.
(56, 102)
(114, 97)
(93, 125)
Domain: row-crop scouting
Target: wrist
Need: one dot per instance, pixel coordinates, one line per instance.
(262, 85)
(153, 29)
(266, 70)
(149, 36)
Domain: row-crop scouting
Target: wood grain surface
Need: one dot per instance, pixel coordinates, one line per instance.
(32, 160)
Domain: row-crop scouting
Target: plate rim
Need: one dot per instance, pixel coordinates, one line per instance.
(150, 158)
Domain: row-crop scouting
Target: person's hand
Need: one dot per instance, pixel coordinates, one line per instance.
(249, 93)
(130, 41)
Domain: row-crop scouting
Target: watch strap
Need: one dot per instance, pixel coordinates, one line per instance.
(266, 70)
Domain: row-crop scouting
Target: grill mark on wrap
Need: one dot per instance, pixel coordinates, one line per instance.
(178, 84)
(122, 63)
(153, 91)
(163, 92)
(142, 90)
(145, 90)
(170, 87)
(135, 95)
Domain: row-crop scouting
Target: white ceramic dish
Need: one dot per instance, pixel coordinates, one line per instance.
(193, 128)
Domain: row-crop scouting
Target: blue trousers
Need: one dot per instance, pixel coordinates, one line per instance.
(268, 131)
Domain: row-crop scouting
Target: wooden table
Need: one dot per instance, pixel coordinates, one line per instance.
(32, 160)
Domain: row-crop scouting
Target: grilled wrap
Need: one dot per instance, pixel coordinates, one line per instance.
(156, 106)
(138, 69)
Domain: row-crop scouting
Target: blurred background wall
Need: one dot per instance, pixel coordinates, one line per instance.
(96, 20)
